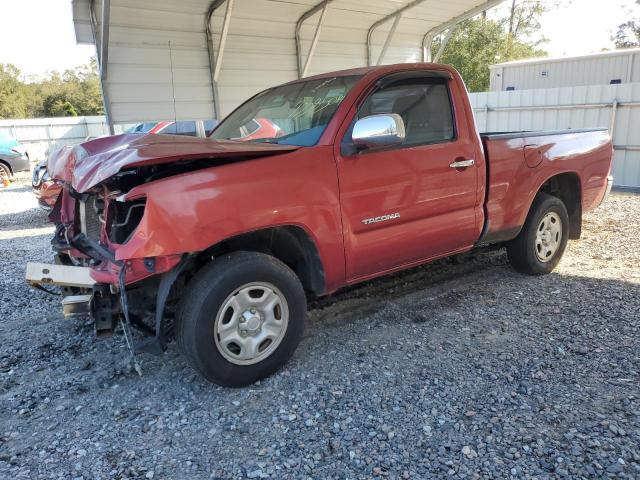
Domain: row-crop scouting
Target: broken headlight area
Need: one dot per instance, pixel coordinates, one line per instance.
(123, 219)
(110, 219)
(90, 215)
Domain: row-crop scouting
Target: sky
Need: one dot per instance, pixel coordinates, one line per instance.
(578, 27)
(37, 35)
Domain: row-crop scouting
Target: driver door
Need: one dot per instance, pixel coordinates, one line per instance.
(406, 204)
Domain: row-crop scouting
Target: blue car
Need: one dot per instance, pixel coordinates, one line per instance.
(13, 156)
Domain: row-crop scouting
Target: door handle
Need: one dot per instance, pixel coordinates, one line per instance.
(462, 163)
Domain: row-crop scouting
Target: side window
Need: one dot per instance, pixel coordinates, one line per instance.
(423, 104)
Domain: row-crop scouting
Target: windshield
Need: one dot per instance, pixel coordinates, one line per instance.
(294, 114)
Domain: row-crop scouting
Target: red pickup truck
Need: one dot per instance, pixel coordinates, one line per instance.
(220, 240)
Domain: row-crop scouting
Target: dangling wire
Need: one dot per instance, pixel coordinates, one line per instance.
(126, 324)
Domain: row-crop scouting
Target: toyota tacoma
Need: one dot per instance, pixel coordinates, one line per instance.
(219, 241)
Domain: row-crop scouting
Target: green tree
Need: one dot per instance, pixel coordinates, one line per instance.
(628, 34)
(13, 93)
(480, 42)
(58, 106)
(523, 22)
(74, 92)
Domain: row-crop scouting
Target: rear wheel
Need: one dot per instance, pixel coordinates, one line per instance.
(242, 318)
(543, 238)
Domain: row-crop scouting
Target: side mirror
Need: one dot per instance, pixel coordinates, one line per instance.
(383, 130)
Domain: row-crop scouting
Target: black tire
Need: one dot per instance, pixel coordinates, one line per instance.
(522, 250)
(204, 298)
(5, 171)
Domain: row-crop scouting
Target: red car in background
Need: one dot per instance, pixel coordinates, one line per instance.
(258, 128)
(254, 129)
(47, 190)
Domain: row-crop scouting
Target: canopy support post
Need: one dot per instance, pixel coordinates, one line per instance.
(223, 40)
(394, 15)
(314, 42)
(322, 6)
(443, 44)
(387, 42)
(427, 40)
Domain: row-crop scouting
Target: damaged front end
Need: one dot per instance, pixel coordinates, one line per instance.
(91, 228)
(119, 226)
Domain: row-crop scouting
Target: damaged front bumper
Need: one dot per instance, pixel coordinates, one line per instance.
(71, 277)
(101, 276)
(82, 295)
(142, 304)
(61, 275)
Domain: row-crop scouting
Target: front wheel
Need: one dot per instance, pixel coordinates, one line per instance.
(242, 318)
(543, 238)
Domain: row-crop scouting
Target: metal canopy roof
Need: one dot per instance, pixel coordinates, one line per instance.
(198, 59)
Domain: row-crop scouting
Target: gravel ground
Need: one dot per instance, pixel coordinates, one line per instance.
(461, 369)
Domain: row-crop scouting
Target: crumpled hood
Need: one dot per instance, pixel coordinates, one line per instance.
(88, 164)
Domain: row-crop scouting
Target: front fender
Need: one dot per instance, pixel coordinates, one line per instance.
(190, 212)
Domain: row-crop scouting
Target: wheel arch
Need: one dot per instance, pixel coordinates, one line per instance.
(7, 164)
(568, 188)
(291, 244)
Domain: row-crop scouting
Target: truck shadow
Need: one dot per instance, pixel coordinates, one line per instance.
(477, 293)
(479, 324)
(433, 278)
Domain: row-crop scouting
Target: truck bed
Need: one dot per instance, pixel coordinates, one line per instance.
(519, 162)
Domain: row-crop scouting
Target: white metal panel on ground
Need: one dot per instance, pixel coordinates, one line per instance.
(621, 66)
(571, 107)
(144, 81)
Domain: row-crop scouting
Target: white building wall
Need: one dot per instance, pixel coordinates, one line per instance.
(599, 69)
(571, 107)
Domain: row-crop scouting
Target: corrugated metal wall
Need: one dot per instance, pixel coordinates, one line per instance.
(260, 48)
(147, 80)
(571, 107)
(570, 72)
